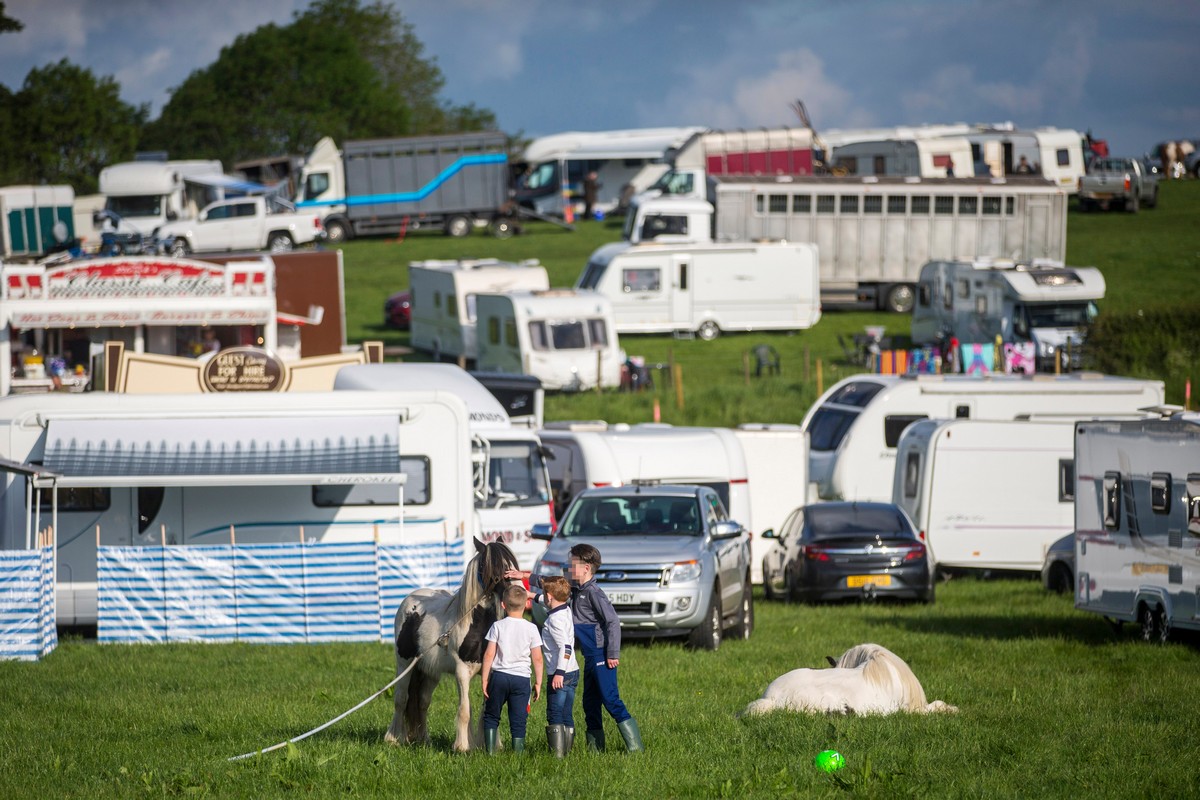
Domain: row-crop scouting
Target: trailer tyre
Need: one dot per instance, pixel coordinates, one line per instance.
(280, 242)
(458, 226)
(179, 247)
(337, 231)
(504, 227)
(708, 330)
(1153, 623)
(900, 298)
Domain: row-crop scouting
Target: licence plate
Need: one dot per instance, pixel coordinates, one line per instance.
(623, 598)
(857, 581)
(1103, 195)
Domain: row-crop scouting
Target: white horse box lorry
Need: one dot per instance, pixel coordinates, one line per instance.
(185, 469)
(855, 426)
(987, 494)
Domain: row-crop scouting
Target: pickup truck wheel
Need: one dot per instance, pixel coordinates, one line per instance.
(707, 636)
(745, 623)
(1132, 204)
(179, 248)
(458, 226)
(708, 330)
(900, 299)
(279, 242)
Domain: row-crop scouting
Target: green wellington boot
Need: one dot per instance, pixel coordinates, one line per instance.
(595, 740)
(518, 745)
(569, 738)
(490, 737)
(631, 735)
(556, 738)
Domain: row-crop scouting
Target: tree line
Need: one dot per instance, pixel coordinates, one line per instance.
(340, 69)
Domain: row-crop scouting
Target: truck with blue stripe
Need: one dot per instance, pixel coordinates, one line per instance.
(456, 182)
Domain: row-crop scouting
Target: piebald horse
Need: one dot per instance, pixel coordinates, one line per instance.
(445, 633)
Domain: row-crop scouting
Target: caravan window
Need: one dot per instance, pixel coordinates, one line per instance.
(568, 335)
(451, 306)
(537, 335)
(648, 279)
(1112, 500)
(925, 295)
(416, 489)
(1063, 156)
(894, 425)
(493, 332)
(510, 332)
(1160, 492)
(77, 498)
(912, 474)
(1193, 503)
(856, 394)
(828, 427)
(598, 331)
(592, 275)
(471, 307)
(1066, 480)
(662, 225)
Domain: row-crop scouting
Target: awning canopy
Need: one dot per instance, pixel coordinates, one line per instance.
(228, 183)
(211, 451)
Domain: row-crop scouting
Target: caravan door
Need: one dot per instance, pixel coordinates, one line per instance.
(681, 291)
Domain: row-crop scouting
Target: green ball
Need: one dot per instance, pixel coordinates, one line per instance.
(829, 760)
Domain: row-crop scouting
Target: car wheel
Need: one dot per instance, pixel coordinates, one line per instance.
(337, 231)
(708, 330)
(745, 623)
(1153, 623)
(707, 636)
(279, 242)
(179, 248)
(458, 226)
(768, 592)
(900, 299)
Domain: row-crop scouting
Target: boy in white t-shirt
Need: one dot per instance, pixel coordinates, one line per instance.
(514, 644)
(558, 640)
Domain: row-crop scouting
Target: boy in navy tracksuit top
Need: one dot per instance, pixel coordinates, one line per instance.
(598, 632)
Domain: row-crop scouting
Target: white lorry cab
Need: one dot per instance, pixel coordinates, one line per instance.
(776, 457)
(1044, 302)
(202, 469)
(565, 338)
(854, 427)
(508, 466)
(146, 194)
(444, 296)
(1137, 522)
(987, 494)
(707, 288)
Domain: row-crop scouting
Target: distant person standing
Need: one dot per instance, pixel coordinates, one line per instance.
(1024, 167)
(591, 186)
(949, 167)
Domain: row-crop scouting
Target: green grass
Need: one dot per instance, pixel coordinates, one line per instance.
(1053, 704)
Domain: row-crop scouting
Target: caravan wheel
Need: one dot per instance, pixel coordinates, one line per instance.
(1154, 624)
(708, 330)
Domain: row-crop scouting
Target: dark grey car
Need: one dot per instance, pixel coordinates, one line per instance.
(842, 550)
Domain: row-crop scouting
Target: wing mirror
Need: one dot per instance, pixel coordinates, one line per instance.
(542, 531)
(726, 529)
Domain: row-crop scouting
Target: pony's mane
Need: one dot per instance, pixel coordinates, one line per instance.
(484, 572)
(883, 668)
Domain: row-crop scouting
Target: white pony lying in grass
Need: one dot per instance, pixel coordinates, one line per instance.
(867, 679)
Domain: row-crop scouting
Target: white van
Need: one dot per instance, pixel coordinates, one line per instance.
(988, 494)
(777, 471)
(1137, 522)
(511, 488)
(854, 427)
(443, 299)
(564, 338)
(661, 287)
(129, 470)
(1045, 303)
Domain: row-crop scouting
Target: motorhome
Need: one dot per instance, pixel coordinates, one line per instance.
(508, 466)
(777, 470)
(192, 469)
(1044, 302)
(565, 338)
(873, 234)
(444, 296)
(855, 425)
(35, 220)
(1137, 522)
(624, 161)
(146, 194)
(957, 479)
(706, 288)
(945, 157)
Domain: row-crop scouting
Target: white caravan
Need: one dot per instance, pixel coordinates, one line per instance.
(1137, 522)
(941, 157)
(146, 194)
(1045, 303)
(564, 338)
(1053, 153)
(777, 470)
(854, 427)
(707, 288)
(443, 299)
(987, 494)
(511, 488)
(193, 469)
(624, 161)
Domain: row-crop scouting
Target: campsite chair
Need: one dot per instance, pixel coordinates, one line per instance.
(765, 356)
(683, 516)
(609, 516)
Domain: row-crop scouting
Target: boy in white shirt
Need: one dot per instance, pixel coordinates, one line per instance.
(558, 641)
(514, 644)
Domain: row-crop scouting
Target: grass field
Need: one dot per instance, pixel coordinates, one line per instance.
(1054, 703)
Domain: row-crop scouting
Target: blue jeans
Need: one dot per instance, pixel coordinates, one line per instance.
(514, 690)
(599, 681)
(560, 703)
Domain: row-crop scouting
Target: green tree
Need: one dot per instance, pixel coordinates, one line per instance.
(66, 125)
(340, 69)
(7, 23)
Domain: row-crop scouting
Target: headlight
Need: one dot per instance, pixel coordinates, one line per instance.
(684, 572)
(548, 568)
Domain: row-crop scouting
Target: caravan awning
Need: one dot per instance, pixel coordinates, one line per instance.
(228, 183)
(212, 451)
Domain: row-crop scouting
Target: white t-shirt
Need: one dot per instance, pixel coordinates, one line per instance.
(558, 641)
(514, 638)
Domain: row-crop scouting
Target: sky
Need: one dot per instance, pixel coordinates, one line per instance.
(1125, 71)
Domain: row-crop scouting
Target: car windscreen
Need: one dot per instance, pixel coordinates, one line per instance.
(837, 521)
(828, 427)
(644, 514)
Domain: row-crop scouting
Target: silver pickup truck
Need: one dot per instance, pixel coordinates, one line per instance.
(673, 563)
(1117, 183)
